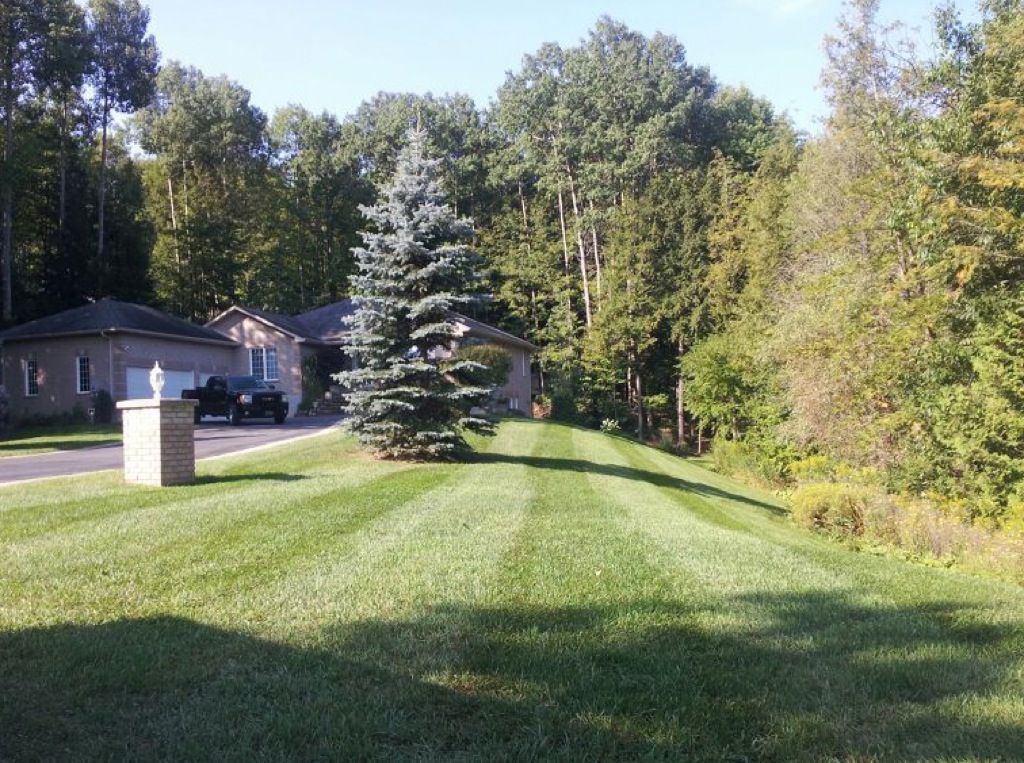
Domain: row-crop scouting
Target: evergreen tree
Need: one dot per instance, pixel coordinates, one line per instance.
(407, 398)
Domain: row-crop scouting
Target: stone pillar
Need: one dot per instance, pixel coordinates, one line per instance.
(159, 441)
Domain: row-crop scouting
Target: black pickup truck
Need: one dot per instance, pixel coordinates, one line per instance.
(238, 397)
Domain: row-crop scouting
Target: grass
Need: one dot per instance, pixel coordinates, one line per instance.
(32, 441)
(566, 596)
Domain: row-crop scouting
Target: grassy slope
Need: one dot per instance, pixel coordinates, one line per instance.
(569, 595)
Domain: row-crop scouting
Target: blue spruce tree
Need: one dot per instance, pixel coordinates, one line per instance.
(408, 397)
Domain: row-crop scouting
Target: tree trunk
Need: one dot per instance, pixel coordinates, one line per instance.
(584, 275)
(639, 397)
(597, 255)
(565, 254)
(63, 178)
(6, 251)
(680, 407)
(101, 262)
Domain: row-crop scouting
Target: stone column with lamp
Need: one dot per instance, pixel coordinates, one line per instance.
(159, 437)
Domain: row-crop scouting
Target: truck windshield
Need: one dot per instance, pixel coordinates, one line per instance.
(245, 382)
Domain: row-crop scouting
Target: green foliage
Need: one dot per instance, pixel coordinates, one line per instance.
(730, 389)
(763, 460)
(102, 407)
(834, 508)
(406, 399)
(493, 365)
(563, 406)
(312, 386)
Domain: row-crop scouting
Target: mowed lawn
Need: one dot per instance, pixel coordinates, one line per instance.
(569, 596)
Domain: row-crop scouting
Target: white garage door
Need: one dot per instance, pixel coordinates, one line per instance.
(174, 383)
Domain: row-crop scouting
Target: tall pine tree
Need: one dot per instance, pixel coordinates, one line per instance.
(407, 397)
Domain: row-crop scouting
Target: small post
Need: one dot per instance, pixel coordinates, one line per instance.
(159, 437)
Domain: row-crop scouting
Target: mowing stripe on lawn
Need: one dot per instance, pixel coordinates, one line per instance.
(433, 554)
(795, 602)
(174, 552)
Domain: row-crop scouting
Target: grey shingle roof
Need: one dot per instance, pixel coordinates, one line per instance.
(112, 315)
(289, 324)
(329, 322)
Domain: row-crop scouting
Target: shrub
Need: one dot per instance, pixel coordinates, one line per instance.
(563, 407)
(611, 426)
(495, 361)
(102, 406)
(835, 508)
(765, 461)
(5, 410)
(812, 469)
(312, 382)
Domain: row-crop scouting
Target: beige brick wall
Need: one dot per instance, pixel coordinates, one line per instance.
(159, 442)
(252, 334)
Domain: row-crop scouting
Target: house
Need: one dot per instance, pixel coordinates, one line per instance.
(284, 343)
(53, 364)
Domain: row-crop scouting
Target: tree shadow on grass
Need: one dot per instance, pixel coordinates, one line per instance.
(820, 677)
(657, 479)
(216, 479)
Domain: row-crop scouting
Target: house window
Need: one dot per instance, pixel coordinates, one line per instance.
(263, 363)
(31, 377)
(82, 375)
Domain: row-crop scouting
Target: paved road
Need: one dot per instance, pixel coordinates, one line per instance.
(212, 439)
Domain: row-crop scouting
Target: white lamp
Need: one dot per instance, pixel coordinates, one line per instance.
(156, 380)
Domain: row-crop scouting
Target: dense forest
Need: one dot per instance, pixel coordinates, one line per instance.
(848, 305)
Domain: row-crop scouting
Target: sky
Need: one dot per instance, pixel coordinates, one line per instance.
(332, 55)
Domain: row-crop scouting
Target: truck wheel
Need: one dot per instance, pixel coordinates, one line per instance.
(279, 417)
(197, 416)
(234, 415)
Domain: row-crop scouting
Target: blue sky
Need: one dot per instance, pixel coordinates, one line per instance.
(334, 54)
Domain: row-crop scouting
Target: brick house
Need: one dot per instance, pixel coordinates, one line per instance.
(54, 364)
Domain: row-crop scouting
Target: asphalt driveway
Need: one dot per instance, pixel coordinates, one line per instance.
(213, 439)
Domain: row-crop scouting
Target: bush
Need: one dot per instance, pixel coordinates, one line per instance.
(312, 384)
(497, 365)
(764, 461)
(102, 406)
(5, 410)
(835, 508)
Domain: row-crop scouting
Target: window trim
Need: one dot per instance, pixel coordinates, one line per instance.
(264, 354)
(31, 377)
(79, 375)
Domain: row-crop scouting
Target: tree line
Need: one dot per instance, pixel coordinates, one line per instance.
(688, 262)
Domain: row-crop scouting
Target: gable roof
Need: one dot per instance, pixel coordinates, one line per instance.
(486, 331)
(110, 315)
(330, 323)
(292, 326)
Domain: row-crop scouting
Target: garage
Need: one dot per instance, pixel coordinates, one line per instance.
(174, 383)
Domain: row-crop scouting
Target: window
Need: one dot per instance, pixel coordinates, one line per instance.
(263, 363)
(31, 377)
(82, 375)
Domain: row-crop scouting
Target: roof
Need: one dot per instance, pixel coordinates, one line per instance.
(293, 326)
(110, 315)
(486, 331)
(329, 322)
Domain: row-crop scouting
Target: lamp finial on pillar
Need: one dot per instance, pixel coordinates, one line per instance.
(156, 380)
